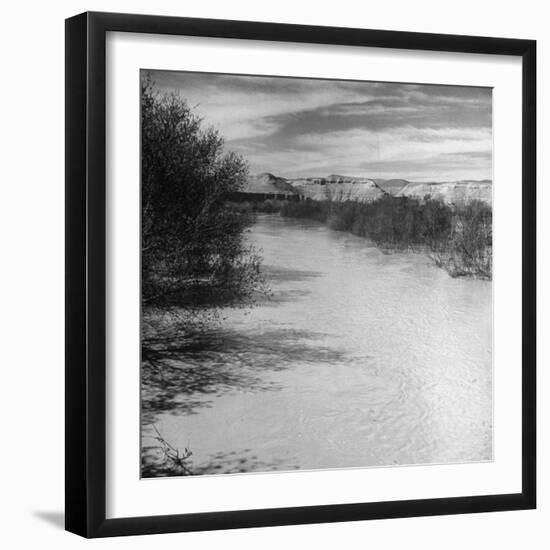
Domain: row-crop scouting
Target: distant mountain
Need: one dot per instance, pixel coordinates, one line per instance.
(392, 186)
(340, 188)
(455, 192)
(267, 183)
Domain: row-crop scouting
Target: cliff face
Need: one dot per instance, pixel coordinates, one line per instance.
(458, 192)
(269, 184)
(342, 188)
(338, 188)
(392, 186)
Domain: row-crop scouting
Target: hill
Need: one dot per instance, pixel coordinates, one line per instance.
(392, 186)
(457, 192)
(269, 184)
(340, 188)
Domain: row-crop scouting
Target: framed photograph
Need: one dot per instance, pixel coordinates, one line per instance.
(300, 277)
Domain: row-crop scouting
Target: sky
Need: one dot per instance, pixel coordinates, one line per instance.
(311, 128)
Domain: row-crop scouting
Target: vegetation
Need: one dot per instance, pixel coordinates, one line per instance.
(164, 459)
(458, 238)
(193, 251)
(268, 206)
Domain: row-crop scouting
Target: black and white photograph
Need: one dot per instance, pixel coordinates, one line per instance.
(316, 263)
(274, 275)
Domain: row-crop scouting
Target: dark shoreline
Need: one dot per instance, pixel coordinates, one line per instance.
(458, 238)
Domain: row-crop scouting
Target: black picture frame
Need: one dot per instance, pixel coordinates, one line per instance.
(86, 284)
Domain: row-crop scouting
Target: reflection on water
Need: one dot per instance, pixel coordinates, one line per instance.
(359, 358)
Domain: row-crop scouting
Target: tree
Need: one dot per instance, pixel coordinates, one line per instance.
(193, 251)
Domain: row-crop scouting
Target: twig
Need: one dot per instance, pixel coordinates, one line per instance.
(173, 454)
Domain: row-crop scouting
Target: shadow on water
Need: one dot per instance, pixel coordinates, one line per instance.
(233, 462)
(277, 277)
(280, 274)
(179, 373)
(183, 370)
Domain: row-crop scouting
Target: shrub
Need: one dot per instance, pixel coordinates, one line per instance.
(193, 248)
(458, 238)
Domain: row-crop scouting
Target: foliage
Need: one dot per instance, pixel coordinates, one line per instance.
(459, 238)
(165, 459)
(267, 206)
(193, 251)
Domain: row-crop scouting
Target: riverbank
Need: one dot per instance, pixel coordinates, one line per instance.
(457, 238)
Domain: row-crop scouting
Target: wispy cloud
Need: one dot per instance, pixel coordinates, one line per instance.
(299, 127)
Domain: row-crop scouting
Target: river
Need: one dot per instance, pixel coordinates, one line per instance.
(358, 358)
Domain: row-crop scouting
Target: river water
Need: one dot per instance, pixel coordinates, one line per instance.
(358, 358)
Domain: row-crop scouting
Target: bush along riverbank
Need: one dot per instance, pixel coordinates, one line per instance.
(457, 238)
(267, 206)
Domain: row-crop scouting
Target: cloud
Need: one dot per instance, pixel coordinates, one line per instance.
(244, 106)
(403, 152)
(301, 127)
